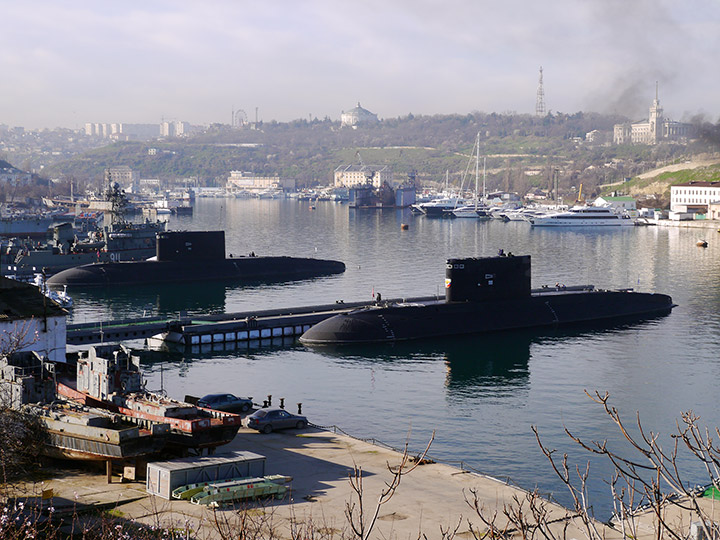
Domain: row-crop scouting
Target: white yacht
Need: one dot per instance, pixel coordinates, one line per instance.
(583, 216)
(438, 207)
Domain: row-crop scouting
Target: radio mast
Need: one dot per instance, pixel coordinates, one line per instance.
(540, 101)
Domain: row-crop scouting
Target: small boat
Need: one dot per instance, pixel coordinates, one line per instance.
(232, 489)
(702, 243)
(61, 298)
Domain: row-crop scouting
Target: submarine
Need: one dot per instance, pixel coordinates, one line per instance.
(487, 294)
(186, 256)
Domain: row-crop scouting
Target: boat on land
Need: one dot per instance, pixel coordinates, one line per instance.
(109, 377)
(486, 295)
(583, 216)
(233, 489)
(187, 256)
(87, 433)
(71, 430)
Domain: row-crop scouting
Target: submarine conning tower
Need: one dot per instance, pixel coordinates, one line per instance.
(487, 278)
(191, 246)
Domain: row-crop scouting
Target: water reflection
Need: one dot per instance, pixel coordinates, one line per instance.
(122, 301)
(168, 299)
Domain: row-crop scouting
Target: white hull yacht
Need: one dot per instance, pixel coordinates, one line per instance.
(583, 216)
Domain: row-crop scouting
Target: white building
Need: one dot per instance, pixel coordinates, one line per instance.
(617, 203)
(357, 116)
(13, 175)
(352, 176)
(123, 175)
(239, 180)
(30, 322)
(174, 129)
(694, 197)
(656, 129)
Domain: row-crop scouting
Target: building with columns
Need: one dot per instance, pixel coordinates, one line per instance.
(656, 129)
(357, 116)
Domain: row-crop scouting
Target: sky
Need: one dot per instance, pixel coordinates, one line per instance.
(64, 63)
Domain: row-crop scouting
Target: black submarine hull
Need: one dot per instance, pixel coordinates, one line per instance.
(233, 269)
(487, 294)
(429, 320)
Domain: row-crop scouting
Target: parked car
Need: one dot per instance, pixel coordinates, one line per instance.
(268, 420)
(226, 402)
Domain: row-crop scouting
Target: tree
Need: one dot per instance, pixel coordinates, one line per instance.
(649, 492)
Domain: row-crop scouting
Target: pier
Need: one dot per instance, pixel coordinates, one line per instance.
(220, 328)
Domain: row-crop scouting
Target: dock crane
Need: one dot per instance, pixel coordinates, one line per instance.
(368, 174)
(580, 199)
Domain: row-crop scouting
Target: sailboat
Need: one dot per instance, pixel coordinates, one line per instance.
(474, 210)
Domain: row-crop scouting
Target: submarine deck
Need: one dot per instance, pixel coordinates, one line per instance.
(242, 326)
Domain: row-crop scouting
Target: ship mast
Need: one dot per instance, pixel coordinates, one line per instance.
(477, 167)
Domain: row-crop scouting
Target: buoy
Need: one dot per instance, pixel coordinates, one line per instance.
(702, 243)
(404, 226)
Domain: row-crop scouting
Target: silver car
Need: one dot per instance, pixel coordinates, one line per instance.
(268, 420)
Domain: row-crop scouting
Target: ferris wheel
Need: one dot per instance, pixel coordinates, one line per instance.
(240, 118)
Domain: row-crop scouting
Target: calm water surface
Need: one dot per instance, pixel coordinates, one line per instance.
(479, 394)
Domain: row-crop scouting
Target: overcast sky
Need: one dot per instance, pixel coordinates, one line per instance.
(65, 63)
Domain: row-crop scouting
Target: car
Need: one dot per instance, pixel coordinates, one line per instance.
(226, 402)
(269, 419)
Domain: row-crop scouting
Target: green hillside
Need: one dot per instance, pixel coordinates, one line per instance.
(522, 152)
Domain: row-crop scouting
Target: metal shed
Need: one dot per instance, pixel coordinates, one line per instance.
(164, 476)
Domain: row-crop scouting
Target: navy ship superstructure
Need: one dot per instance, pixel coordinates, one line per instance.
(486, 295)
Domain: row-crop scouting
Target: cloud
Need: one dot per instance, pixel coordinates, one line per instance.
(140, 61)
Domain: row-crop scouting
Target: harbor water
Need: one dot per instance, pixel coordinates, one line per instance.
(479, 395)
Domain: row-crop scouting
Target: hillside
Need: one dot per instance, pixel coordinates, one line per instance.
(522, 152)
(656, 182)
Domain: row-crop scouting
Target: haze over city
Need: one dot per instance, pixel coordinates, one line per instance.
(67, 63)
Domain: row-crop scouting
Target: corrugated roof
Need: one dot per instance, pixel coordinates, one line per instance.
(21, 301)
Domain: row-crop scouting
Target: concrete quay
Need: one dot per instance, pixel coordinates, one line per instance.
(689, 224)
(429, 498)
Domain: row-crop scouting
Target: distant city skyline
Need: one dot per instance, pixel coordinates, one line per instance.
(65, 64)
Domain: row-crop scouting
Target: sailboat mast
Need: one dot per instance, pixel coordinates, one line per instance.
(484, 176)
(477, 166)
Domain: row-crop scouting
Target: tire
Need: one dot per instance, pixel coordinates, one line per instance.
(267, 428)
(301, 424)
(246, 407)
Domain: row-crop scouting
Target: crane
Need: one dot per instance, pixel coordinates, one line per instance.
(368, 174)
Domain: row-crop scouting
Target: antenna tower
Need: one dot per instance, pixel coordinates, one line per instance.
(540, 102)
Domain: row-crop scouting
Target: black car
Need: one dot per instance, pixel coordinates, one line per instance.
(226, 402)
(268, 420)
